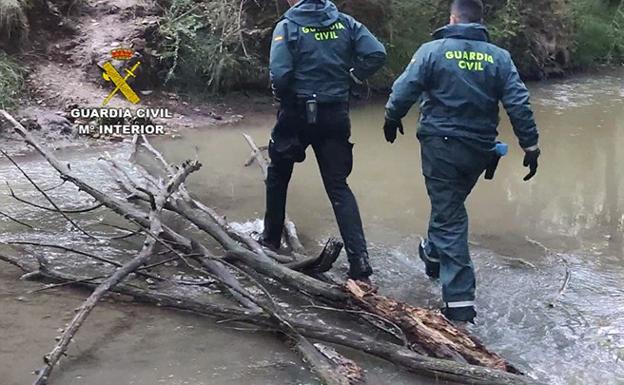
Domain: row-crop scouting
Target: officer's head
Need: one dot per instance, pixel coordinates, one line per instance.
(466, 11)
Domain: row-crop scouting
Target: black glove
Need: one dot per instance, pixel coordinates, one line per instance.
(390, 129)
(530, 161)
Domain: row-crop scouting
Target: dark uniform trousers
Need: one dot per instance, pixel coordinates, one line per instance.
(329, 139)
(451, 167)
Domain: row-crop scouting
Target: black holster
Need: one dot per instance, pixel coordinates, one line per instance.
(492, 166)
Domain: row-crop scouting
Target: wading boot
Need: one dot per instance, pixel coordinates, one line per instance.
(460, 315)
(432, 265)
(360, 270)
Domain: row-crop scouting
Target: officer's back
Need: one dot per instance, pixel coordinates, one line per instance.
(461, 78)
(320, 51)
(316, 55)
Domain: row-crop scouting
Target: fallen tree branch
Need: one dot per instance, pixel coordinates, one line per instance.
(85, 309)
(429, 330)
(66, 211)
(259, 264)
(431, 367)
(16, 220)
(236, 235)
(36, 186)
(324, 262)
(146, 252)
(79, 252)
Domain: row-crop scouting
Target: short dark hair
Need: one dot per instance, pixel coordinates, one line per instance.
(468, 11)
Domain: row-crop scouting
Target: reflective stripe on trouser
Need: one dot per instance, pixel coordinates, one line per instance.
(454, 305)
(451, 170)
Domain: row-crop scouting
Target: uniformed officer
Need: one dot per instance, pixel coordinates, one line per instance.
(317, 54)
(460, 77)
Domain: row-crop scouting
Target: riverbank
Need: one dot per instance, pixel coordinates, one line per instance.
(64, 46)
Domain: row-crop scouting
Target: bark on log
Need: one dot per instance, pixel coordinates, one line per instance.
(428, 329)
(333, 372)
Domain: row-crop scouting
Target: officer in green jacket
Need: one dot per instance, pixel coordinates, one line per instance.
(459, 79)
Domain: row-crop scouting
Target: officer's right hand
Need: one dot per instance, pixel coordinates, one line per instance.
(530, 161)
(390, 129)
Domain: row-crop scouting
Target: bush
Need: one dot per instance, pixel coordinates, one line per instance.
(202, 46)
(11, 78)
(599, 33)
(410, 27)
(13, 21)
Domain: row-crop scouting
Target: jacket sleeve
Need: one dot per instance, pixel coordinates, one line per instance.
(281, 63)
(370, 53)
(515, 99)
(409, 86)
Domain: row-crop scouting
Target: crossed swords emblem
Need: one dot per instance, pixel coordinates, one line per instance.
(121, 84)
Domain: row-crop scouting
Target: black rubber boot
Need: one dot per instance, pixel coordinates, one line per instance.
(431, 268)
(360, 269)
(273, 246)
(460, 314)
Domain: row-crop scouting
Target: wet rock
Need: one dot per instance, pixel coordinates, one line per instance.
(54, 123)
(30, 124)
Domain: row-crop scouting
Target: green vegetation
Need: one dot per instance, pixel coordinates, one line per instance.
(13, 21)
(205, 43)
(406, 34)
(11, 78)
(203, 46)
(598, 32)
(221, 45)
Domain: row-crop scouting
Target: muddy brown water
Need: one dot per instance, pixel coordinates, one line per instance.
(574, 208)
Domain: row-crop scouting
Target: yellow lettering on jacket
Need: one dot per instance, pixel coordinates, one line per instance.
(470, 60)
(322, 34)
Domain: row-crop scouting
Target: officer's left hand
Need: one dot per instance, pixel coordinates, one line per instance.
(390, 129)
(530, 161)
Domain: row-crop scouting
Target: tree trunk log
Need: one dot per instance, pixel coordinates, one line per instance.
(428, 329)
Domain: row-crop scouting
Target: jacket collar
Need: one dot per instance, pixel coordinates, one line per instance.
(313, 13)
(472, 31)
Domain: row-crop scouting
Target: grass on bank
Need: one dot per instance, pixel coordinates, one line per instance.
(11, 80)
(598, 32)
(203, 47)
(14, 25)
